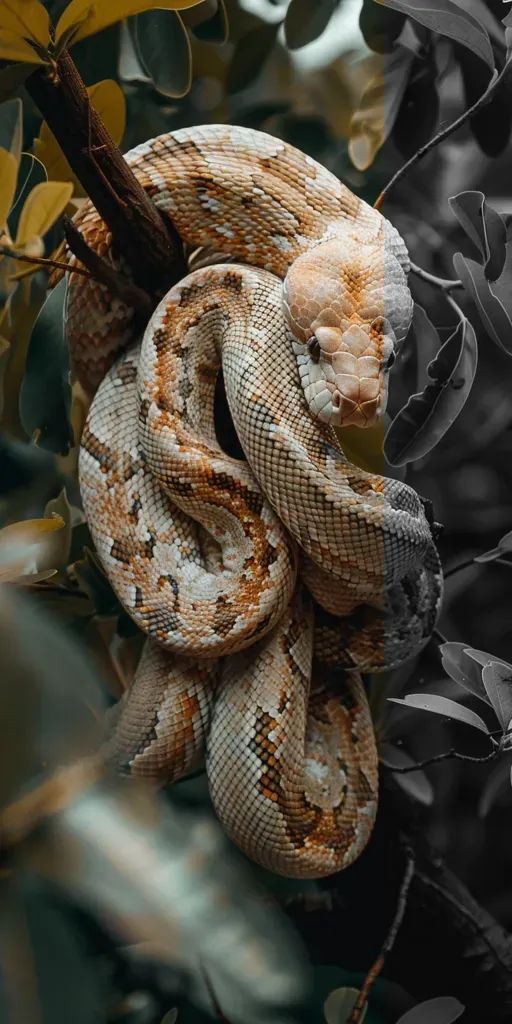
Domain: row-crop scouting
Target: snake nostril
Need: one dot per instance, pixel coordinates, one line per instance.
(313, 347)
(336, 401)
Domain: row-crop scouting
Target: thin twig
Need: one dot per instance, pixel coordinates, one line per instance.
(448, 755)
(471, 561)
(41, 261)
(105, 273)
(215, 1002)
(442, 135)
(440, 282)
(357, 1012)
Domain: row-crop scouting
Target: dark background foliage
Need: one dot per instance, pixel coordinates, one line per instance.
(361, 87)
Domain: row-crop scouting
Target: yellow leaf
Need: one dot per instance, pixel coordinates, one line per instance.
(94, 15)
(44, 205)
(108, 100)
(13, 47)
(8, 178)
(26, 19)
(30, 530)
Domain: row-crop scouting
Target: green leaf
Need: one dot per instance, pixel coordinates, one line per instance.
(426, 417)
(447, 19)
(443, 1010)
(442, 706)
(11, 128)
(462, 669)
(485, 228)
(493, 313)
(497, 679)
(249, 56)
(45, 398)
(305, 21)
(163, 49)
(378, 109)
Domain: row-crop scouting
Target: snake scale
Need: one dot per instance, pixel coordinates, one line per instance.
(266, 586)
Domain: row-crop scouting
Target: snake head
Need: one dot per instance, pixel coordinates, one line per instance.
(348, 307)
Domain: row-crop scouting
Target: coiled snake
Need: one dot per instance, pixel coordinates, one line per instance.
(266, 586)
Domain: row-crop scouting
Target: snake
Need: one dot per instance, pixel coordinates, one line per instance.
(268, 585)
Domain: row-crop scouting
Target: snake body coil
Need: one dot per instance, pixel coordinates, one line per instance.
(265, 586)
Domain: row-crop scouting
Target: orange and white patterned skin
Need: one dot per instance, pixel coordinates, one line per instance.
(219, 560)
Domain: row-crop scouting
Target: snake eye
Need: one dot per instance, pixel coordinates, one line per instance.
(313, 347)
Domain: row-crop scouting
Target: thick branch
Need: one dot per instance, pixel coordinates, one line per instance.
(145, 238)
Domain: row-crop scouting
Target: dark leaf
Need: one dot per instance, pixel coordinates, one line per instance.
(250, 54)
(497, 783)
(45, 396)
(447, 19)
(485, 228)
(493, 314)
(497, 679)
(442, 706)
(12, 77)
(462, 668)
(378, 108)
(11, 127)
(306, 21)
(427, 344)
(212, 30)
(419, 111)
(380, 26)
(492, 124)
(163, 49)
(442, 1010)
(416, 783)
(426, 417)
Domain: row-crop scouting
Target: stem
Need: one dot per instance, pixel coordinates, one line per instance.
(387, 946)
(145, 238)
(471, 561)
(102, 271)
(496, 80)
(440, 282)
(453, 755)
(42, 261)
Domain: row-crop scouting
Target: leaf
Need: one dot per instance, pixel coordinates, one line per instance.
(11, 128)
(214, 29)
(249, 56)
(485, 228)
(459, 665)
(442, 706)
(493, 313)
(305, 21)
(491, 124)
(27, 20)
(416, 783)
(375, 116)
(59, 506)
(42, 208)
(442, 1010)
(427, 416)
(13, 76)
(339, 1005)
(45, 396)
(108, 100)
(95, 15)
(418, 116)
(497, 679)
(8, 179)
(158, 34)
(449, 20)
(427, 344)
(380, 27)
(12, 47)
(497, 781)
(23, 544)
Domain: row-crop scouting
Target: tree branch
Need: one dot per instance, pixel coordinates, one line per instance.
(146, 239)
